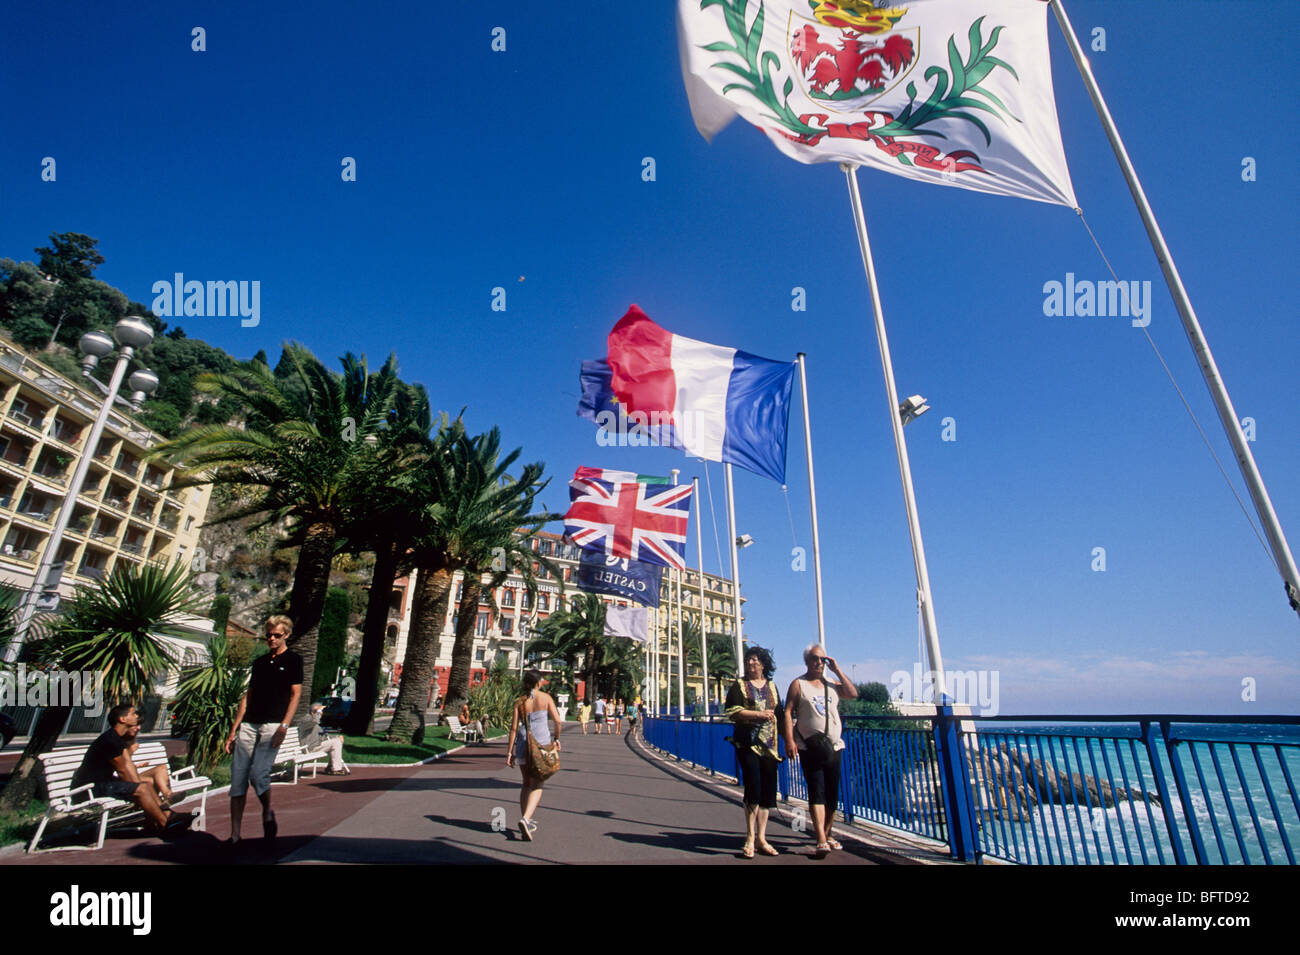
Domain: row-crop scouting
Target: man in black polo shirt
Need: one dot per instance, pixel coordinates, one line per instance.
(108, 766)
(261, 723)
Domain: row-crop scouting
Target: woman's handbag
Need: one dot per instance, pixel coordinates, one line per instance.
(543, 759)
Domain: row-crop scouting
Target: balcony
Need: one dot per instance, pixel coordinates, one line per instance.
(95, 573)
(8, 550)
(127, 466)
(22, 417)
(65, 433)
(115, 502)
(168, 523)
(133, 548)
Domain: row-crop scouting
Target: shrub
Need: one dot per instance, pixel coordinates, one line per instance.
(206, 702)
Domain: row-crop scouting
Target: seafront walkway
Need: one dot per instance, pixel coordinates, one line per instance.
(612, 802)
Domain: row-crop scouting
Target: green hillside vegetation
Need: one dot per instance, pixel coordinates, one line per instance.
(47, 305)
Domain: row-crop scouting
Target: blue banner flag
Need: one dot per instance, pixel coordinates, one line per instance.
(620, 577)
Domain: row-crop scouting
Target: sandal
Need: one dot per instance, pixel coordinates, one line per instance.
(768, 849)
(822, 849)
(834, 844)
(747, 850)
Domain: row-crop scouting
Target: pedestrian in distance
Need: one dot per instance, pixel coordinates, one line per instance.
(261, 722)
(618, 718)
(584, 714)
(600, 714)
(814, 737)
(531, 714)
(754, 706)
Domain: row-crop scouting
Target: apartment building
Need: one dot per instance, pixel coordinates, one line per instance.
(122, 512)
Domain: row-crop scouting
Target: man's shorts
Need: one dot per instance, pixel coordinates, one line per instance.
(117, 788)
(253, 758)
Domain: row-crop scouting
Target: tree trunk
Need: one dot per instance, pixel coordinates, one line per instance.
(590, 666)
(21, 789)
(361, 718)
(427, 616)
(311, 581)
(462, 652)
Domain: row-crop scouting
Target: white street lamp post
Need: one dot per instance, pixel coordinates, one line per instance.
(131, 333)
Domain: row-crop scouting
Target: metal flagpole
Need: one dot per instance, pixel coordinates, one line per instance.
(812, 499)
(654, 662)
(1281, 551)
(699, 552)
(681, 657)
(904, 467)
(735, 571)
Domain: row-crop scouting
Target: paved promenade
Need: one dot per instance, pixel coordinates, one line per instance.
(613, 802)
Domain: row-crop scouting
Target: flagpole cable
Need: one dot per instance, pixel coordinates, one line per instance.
(699, 552)
(735, 569)
(900, 444)
(1183, 398)
(794, 540)
(713, 513)
(1191, 325)
(801, 360)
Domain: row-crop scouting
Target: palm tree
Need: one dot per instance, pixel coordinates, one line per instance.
(475, 519)
(722, 654)
(113, 627)
(578, 632)
(386, 528)
(305, 442)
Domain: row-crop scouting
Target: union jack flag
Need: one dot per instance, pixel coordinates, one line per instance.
(645, 522)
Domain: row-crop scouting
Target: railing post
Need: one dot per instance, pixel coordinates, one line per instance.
(1184, 795)
(955, 785)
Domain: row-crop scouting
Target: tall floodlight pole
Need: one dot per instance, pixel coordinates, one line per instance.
(131, 333)
(1277, 542)
(812, 499)
(900, 445)
(735, 570)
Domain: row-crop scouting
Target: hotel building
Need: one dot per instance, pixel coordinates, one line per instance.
(122, 514)
(497, 633)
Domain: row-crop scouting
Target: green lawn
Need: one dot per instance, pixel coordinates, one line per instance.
(374, 749)
(19, 827)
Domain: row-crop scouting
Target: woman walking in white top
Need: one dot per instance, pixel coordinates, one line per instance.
(813, 735)
(531, 712)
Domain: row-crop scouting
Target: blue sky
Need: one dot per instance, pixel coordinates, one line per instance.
(522, 169)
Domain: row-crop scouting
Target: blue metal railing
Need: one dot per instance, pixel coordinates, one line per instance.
(1055, 790)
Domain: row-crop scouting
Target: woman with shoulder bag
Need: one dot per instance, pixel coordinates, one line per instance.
(813, 735)
(754, 706)
(531, 736)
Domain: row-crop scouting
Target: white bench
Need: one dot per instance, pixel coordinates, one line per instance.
(291, 751)
(61, 764)
(454, 724)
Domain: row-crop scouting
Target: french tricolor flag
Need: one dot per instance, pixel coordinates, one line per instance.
(716, 403)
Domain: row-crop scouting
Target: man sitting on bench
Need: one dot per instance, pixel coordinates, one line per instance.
(314, 740)
(109, 768)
